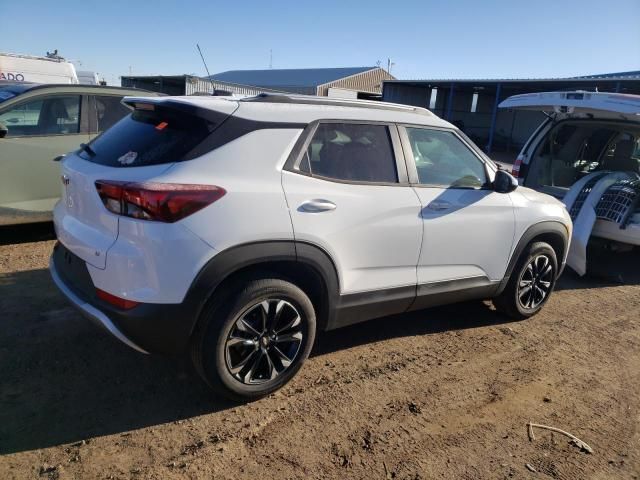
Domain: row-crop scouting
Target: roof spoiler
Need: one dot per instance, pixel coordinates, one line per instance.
(151, 103)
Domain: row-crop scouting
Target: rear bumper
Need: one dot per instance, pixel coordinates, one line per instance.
(147, 328)
(89, 311)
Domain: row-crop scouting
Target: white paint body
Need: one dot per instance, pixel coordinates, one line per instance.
(378, 236)
(577, 104)
(373, 235)
(26, 68)
(586, 220)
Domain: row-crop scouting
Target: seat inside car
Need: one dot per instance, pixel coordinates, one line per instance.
(365, 157)
(330, 154)
(54, 117)
(622, 160)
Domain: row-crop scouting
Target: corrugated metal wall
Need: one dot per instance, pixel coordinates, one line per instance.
(369, 81)
(201, 85)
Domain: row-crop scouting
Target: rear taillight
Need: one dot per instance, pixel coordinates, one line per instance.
(160, 202)
(122, 303)
(515, 171)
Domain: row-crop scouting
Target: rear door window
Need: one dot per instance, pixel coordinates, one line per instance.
(148, 137)
(351, 152)
(55, 115)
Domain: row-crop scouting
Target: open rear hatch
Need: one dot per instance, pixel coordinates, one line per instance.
(138, 149)
(578, 104)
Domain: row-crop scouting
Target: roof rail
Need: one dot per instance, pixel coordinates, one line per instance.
(313, 100)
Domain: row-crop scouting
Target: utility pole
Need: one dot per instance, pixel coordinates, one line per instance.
(270, 58)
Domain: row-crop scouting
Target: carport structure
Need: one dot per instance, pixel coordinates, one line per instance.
(472, 104)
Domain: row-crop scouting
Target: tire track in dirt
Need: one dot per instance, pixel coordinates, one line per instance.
(444, 393)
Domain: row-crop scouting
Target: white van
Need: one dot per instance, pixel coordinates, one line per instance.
(27, 68)
(87, 77)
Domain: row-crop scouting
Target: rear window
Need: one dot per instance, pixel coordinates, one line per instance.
(148, 137)
(572, 150)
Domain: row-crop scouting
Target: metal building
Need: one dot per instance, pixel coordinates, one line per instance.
(190, 85)
(353, 82)
(473, 104)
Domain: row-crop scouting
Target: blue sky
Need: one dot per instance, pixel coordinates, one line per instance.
(424, 39)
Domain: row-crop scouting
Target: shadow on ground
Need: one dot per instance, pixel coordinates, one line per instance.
(64, 380)
(32, 232)
(605, 268)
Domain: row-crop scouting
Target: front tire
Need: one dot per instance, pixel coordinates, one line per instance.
(531, 282)
(253, 341)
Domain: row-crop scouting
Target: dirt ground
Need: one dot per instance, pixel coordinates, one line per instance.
(443, 393)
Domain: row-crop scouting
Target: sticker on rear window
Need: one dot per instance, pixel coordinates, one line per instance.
(128, 158)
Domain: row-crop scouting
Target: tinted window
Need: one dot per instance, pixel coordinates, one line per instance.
(148, 138)
(351, 152)
(573, 150)
(48, 116)
(108, 110)
(442, 159)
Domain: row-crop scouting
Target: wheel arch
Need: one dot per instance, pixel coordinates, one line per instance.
(306, 265)
(552, 232)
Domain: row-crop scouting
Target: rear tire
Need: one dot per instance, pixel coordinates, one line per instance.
(252, 341)
(531, 282)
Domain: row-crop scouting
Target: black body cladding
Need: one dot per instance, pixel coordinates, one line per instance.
(167, 329)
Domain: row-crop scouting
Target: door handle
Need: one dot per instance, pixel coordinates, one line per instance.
(317, 206)
(439, 206)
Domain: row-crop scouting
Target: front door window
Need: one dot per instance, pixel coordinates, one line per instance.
(48, 116)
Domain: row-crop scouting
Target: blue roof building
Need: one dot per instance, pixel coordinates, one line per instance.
(472, 104)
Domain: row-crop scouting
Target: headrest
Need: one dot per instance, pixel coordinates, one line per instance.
(624, 148)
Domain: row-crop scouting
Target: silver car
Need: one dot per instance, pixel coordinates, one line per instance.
(39, 124)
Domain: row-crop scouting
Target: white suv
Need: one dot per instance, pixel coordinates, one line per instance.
(239, 228)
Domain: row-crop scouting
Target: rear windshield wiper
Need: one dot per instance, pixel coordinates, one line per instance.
(86, 148)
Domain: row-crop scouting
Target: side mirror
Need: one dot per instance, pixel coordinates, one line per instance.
(3, 130)
(59, 157)
(504, 182)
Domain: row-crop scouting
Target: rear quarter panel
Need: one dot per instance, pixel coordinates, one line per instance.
(249, 169)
